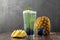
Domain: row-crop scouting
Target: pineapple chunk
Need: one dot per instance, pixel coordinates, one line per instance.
(18, 33)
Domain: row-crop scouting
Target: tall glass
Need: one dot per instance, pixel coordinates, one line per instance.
(29, 21)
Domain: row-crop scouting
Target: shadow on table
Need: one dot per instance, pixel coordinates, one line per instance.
(34, 38)
(43, 38)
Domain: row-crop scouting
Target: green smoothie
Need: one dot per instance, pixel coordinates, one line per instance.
(29, 21)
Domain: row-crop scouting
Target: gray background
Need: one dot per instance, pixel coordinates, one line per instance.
(11, 16)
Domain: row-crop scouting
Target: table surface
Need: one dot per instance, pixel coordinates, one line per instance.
(6, 36)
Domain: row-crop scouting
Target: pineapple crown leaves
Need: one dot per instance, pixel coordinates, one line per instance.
(27, 8)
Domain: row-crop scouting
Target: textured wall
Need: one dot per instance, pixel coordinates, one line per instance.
(11, 13)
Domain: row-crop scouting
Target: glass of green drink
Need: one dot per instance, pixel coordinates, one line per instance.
(29, 17)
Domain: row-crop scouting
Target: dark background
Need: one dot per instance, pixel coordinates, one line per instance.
(11, 16)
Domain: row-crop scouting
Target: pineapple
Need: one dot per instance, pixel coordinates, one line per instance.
(19, 33)
(43, 22)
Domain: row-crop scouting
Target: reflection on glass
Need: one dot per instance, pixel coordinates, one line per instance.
(30, 37)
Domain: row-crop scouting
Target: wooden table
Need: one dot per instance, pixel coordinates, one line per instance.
(6, 36)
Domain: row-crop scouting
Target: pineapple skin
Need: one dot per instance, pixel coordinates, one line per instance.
(43, 22)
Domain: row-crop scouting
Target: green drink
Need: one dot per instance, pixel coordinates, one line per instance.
(29, 21)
